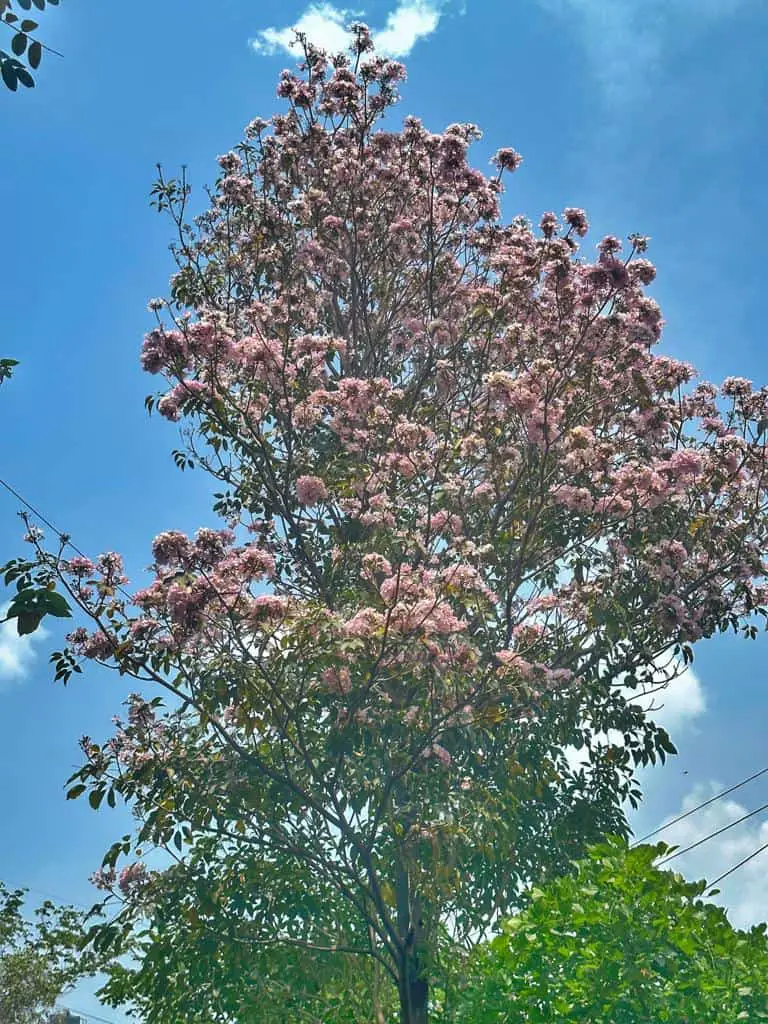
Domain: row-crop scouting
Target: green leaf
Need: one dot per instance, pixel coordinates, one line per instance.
(25, 78)
(34, 54)
(28, 25)
(27, 622)
(8, 73)
(19, 43)
(75, 792)
(95, 798)
(24, 4)
(32, 604)
(57, 605)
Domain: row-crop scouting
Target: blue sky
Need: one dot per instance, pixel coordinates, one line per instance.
(649, 113)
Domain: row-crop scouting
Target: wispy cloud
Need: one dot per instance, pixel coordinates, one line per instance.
(626, 42)
(326, 26)
(17, 653)
(745, 892)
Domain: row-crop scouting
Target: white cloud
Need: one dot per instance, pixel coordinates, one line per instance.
(675, 707)
(626, 40)
(678, 704)
(405, 26)
(17, 653)
(326, 26)
(744, 893)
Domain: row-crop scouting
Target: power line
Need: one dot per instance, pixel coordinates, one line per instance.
(89, 1016)
(62, 536)
(65, 538)
(42, 892)
(739, 865)
(698, 807)
(700, 842)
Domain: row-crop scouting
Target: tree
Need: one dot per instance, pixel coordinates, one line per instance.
(470, 516)
(39, 960)
(24, 44)
(618, 941)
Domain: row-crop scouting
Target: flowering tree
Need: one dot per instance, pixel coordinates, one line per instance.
(469, 510)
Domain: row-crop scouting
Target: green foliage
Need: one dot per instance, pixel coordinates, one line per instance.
(31, 605)
(204, 956)
(24, 47)
(6, 368)
(39, 959)
(617, 941)
(35, 597)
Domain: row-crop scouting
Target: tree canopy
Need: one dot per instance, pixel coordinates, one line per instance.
(39, 957)
(617, 941)
(468, 515)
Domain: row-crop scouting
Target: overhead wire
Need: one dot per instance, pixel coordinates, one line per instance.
(89, 1016)
(698, 807)
(64, 537)
(93, 1016)
(712, 835)
(736, 867)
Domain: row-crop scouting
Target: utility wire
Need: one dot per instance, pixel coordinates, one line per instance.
(700, 842)
(65, 538)
(698, 807)
(739, 865)
(62, 536)
(89, 1016)
(13, 883)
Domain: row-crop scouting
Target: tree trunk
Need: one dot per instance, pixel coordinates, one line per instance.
(414, 995)
(414, 988)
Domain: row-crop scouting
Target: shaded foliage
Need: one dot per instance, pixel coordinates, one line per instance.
(26, 53)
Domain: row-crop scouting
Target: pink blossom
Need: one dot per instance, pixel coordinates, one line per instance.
(171, 548)
(311, 490)
(438, 751)
(376, 564)
(338, 680)
(80, 566)
(364, 623)
(736, 387)
(576, 219)
(254, 562)
(507, 160)
(103, 878)
(269, 606)
(132, 879)
(548, 224)
(609, 245)
(511, 663)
